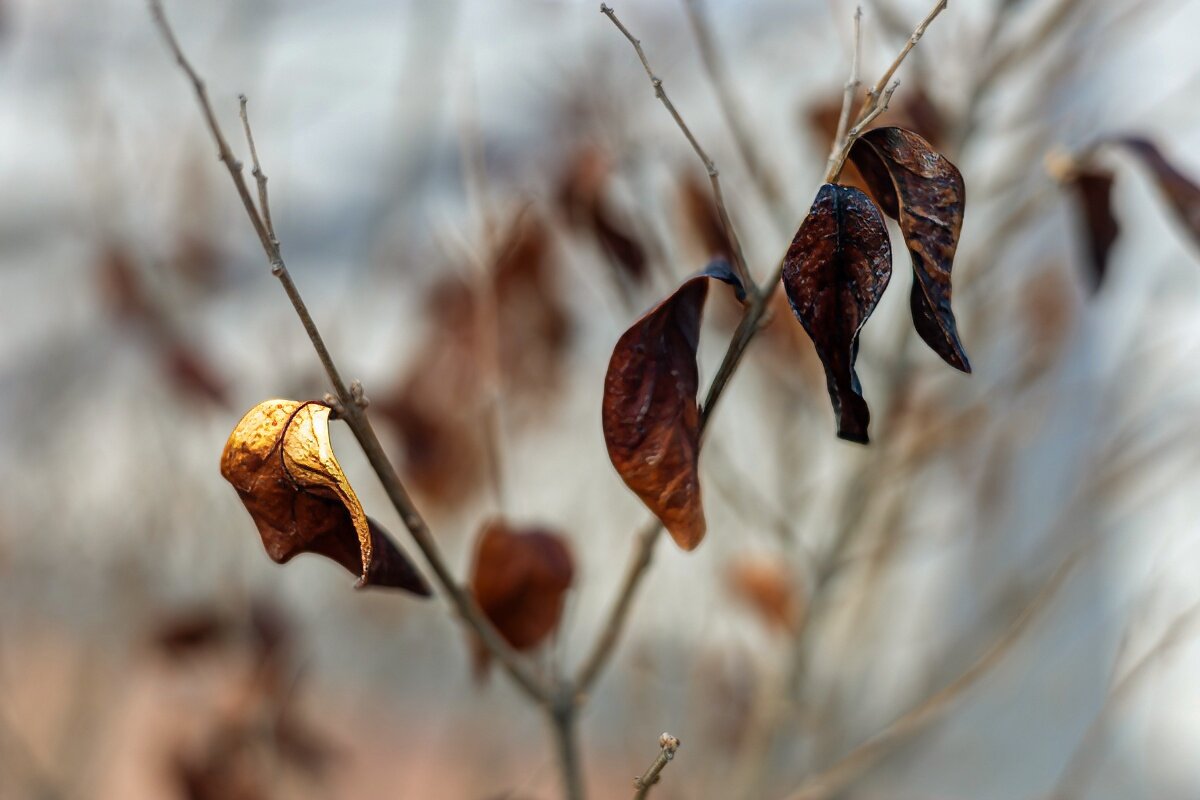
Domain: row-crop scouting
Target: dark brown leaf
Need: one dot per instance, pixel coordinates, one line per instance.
(834, 273)
(1094, 190)
(280, 461)
(1180, 191)
(519, 580)
(650, 416)
(924, 192)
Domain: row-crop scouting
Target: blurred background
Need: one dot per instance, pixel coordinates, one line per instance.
(1014, 556)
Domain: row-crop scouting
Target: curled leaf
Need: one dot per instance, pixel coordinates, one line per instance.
(1094, 190)
(1180, 191)
(650, 416)
(280, 460)
(519, 580)
(924, 192)
(834, 273)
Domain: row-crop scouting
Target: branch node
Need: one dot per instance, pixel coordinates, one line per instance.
(358, 394)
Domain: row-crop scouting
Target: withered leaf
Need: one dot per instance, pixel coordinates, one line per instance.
(1180, 191)
(834, 273)
(519, 580)
(925, 193)
(1094, 190)
(280, 460)
(767, 586)
(650, 416)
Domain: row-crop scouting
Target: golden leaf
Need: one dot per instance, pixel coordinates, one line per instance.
(280, 460)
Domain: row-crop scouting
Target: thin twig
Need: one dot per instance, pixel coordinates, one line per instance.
(836, 777)
(606, 642)
(714, 176)
(735, 116)
(264, 205)
(668, 744)
(351, 410)
(876, 101)
(851, 89)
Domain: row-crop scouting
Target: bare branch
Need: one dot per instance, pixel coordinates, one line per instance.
(652, 775)
(354, 415)
(876, 101)
(739, 258)
(851, 89)
(264, 205)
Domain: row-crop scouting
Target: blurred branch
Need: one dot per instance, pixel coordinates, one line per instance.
(714, 176)
(851, 89)
(840, 774)
(350, 398)
(734, 114)
(1071, 784)
(652, 775)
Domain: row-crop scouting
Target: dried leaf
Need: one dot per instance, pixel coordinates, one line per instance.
(533, 327)
(924, 192)
(280, 460)
(1094, 190)
(650, 415)
(1180, 191)
(702, 217)
(834, 273)
(582, 197)
(519, 580)
(767, 586)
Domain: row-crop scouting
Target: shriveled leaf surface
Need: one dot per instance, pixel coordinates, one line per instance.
(519, 580)
(1181, 192)
(650, 416)
(834, 273)
(1093, 188)
(280, 460)
(925, 193)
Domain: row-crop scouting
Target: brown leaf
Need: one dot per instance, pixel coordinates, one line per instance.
(1094, 190)
(767, 586)
(582, 197)
(650, 416)
(700, 212)
(1180, 191)
(924, 192)
(519, 580)
(280, 460)
(834, 273)
(533, 327)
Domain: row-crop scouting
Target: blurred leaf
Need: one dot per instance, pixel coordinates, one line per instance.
(190, 633)
(533, 327)
(190, 372)
(650, 416)
(1094, 190)
(582, 198)
(519, 580)
(924, 192)
(280, 460)
(700, 212)
(766, 585)
(834, 273)
(1180, 191)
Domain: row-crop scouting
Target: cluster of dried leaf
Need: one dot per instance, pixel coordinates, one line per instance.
(834, 274)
